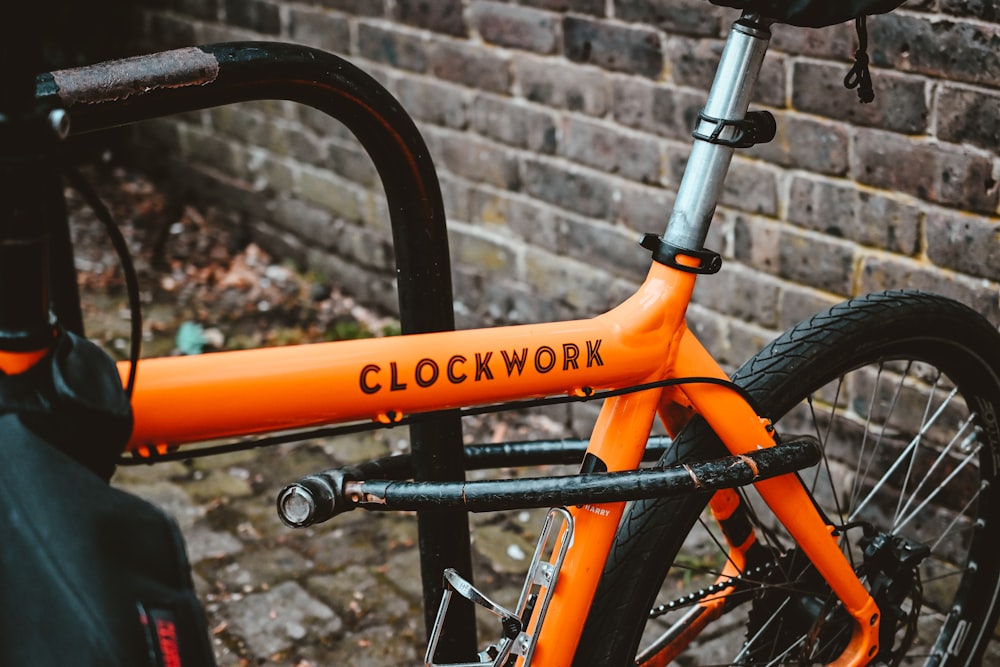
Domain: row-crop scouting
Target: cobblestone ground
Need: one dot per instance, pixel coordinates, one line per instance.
(343, 593)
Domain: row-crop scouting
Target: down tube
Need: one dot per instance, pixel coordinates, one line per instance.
(618, 441)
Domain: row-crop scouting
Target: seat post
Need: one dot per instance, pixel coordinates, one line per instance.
(728, 100)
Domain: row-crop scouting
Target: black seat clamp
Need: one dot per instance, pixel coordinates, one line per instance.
(708, 261)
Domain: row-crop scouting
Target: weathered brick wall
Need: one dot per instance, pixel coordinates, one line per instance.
(561, 127)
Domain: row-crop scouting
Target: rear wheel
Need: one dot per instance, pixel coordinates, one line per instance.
(902, 390)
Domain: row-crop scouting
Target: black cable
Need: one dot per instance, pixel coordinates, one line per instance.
(81, 185)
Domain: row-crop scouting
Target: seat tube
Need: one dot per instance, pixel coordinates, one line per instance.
(728, 100)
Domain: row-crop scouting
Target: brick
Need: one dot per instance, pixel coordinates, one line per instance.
(710, 329)
(514, 122)
(474, 159)
(456, 194)
(615, 151)
(594, 7)
(171, 32)
(688, 17)
(751, 187)
(319, 29)
(542, 225)
(741, 293)
(938, 173)
(490, 208)
(840, 210)
(616, 47)
(316, 226)
(567, 186)
(693, 61)
(434, 102)
(470, 66)
(277, 135)
(803, 142)
(985, 10)
(221, 153)
(341, 197)
(797, 303)
(881, 272)
(803, 257)
(443, 16)
(563, 85)
(215, 33)
(352, 162)
(398, 48)
(964, 243)
(746, 340)
(369, 287)
(955, 50)
(833, 43)
(772, 84)
(231, 194)
(641, 208)
(496, 301)
(755, 240)
(321, 123)
(491, 253)
(356, 7)
(967, 116)
(293, 140)
(665, 111)
(516, 27)
(273, 174)
(575, 288)
(900, 100)
(612, 248)
(256, 15)
(239, 122)
(817, 261)
(207, 10)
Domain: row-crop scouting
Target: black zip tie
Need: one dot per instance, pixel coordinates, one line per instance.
(859, 77)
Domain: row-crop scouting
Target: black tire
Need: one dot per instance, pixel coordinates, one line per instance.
(792, 379)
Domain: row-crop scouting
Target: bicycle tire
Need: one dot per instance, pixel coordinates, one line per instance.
(907, 335)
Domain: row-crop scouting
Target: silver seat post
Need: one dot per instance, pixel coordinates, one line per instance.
(728, 100)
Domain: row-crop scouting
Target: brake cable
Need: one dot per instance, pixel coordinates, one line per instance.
(86, 190)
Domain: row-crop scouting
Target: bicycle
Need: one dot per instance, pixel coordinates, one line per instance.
(801, 595)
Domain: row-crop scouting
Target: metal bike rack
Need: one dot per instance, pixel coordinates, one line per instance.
(106, 95)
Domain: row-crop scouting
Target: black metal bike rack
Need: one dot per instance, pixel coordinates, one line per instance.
(106, 95)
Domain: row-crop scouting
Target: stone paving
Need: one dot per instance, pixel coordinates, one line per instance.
(346, 592)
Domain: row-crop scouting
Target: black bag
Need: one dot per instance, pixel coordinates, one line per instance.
(812, 13)
(90, 576)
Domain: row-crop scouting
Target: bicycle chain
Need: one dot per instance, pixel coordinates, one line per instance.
(695, 598)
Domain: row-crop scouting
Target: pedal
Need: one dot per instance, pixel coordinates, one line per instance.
(515, 638)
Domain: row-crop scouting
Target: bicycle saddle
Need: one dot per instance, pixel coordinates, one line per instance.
(812, 13)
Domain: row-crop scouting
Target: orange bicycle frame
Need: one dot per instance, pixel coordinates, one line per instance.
(187, 399)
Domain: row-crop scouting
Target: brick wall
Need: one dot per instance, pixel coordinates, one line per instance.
(560, 130)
